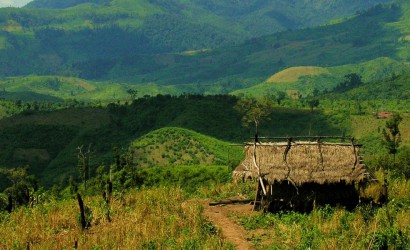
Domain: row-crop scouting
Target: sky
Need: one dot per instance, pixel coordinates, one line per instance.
(13, 3)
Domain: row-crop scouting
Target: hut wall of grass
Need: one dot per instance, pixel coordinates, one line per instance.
(298, 175)
(302, 162)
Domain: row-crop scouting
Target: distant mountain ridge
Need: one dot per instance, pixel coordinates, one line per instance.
(146, 42)
(230, 21)
(57, 4)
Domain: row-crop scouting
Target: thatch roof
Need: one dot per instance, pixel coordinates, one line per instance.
(302, 162)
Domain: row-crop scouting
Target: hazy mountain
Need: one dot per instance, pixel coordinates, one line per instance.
(246, 19)
(13, 3)
(141, 42)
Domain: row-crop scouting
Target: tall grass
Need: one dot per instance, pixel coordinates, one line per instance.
(159, 218)
(328, 227)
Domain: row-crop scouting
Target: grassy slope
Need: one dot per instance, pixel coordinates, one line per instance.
(177, 146)
(368, 129)
(390, 94)
(306, 79)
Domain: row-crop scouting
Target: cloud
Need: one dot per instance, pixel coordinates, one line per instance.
(13, 3)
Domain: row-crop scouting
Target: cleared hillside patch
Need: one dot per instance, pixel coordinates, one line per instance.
(177, 146)
(294, 73)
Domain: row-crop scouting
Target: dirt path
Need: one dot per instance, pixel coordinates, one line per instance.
(232, 232)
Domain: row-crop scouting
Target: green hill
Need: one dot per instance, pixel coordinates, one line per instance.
(176, 146)
(393, 88)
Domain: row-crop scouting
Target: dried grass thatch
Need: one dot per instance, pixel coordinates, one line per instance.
(302, 162)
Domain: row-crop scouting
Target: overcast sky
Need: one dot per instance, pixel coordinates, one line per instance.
(13, 3)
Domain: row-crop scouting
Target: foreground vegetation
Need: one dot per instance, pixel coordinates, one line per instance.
(161, 208)
(158, 218)
(386, 227)
(168, 217)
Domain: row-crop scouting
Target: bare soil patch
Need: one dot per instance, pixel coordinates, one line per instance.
(220, 216)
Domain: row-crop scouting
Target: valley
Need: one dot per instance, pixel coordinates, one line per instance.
(139, 111)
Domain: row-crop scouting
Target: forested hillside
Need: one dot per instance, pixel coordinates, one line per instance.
(114, 43)
(48, 141)
(167, 26)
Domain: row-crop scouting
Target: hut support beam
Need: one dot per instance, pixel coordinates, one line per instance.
(257, 196)
(262, 185)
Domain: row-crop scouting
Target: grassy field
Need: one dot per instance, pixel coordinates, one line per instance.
(335, 228)
(165, 218)
(159, 218)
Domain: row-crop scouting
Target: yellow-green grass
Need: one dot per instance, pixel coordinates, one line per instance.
(80, 89)
(335, 228)
(57, 86)
(367, 125)
(195, 52)
(294, 73)
(11, 26)
(306, 78)
(160, 218)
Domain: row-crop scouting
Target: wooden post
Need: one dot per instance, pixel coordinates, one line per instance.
(109, 191)
(108, 200)
(257, 196)
(82, 212)
(9, 207)
(262, 185)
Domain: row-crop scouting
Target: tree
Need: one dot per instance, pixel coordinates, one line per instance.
(133, 93)
(84, 164)
(254, 111)
(391, 136)
(313, 103)
(22, 185)
(280, 96)
(315, 92)
(350, 81)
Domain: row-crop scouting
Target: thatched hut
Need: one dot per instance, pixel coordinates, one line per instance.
(301, 174)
